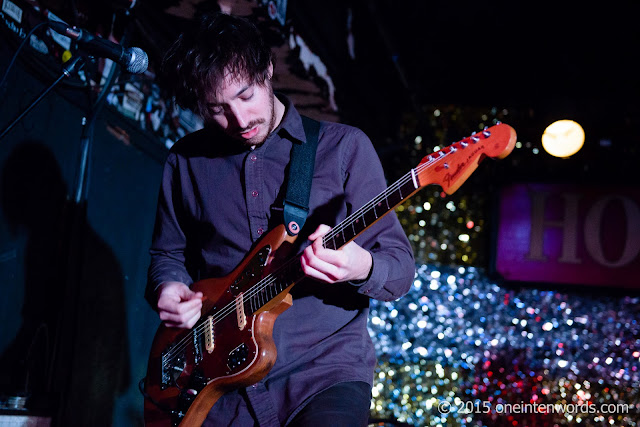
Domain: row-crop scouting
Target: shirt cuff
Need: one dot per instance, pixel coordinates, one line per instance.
(378, 276)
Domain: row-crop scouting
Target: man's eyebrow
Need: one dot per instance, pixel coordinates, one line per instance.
(240, 92)
(243, 90)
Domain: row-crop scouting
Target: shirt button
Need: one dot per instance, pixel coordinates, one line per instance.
(254, 193)
(253, 157)
(260, 231)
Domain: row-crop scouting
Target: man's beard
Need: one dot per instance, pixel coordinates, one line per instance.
(271, 121)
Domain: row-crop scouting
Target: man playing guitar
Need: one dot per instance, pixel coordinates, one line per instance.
(222, 191)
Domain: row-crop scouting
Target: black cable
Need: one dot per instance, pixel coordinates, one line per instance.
(15, 55)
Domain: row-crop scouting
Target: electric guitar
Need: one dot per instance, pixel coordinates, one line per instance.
(232, 346)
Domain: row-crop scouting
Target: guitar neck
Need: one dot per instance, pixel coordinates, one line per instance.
(348, 229)
(363, 218)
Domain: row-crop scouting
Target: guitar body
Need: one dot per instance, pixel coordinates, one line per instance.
(188, 370)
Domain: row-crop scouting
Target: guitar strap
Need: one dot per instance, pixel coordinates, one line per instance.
(301, 165)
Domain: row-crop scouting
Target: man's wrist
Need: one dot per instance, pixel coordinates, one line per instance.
(361, 281)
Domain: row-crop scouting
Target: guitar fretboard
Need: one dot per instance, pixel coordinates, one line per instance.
(364, 217)
(273, 284)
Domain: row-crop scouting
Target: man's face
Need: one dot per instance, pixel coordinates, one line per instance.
(243, 110)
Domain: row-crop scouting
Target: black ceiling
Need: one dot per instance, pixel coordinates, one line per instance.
(549, 60)
(503, 52)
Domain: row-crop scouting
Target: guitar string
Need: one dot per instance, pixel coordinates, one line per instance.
(271, 278)
(268, 280)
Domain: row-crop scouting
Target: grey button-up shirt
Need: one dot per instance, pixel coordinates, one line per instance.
(217, 199)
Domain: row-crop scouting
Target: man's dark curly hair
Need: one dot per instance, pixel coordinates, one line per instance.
(198, 61)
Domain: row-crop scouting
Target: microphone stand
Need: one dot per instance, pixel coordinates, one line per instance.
(88, 122)
(77, 229)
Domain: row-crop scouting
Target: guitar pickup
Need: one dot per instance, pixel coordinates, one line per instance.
(209, 338)
(242, 318)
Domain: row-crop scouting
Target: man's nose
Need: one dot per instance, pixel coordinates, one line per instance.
(239, 116)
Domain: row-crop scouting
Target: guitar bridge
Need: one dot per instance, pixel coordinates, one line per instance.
(173, 364)
(197, 348)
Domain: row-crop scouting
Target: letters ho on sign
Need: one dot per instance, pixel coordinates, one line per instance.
(569, 234)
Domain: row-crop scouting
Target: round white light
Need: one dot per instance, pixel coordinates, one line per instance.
(563, 138)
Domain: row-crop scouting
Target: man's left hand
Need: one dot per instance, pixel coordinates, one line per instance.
(349, 263)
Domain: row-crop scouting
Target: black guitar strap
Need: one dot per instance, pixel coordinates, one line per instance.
(301, 165)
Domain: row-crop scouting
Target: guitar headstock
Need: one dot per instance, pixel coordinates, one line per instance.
(452, 165)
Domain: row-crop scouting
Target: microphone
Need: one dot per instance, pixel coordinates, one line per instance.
(134, 59)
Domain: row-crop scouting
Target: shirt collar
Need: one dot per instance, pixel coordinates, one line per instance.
(291, 124)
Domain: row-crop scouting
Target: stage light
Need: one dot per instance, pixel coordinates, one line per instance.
(563, 138)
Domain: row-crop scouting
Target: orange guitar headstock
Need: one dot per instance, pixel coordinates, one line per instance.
(451, 166)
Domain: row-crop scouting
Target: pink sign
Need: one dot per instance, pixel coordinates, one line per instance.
(569, 234)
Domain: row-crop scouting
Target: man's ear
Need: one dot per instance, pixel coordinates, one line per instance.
(270, 71)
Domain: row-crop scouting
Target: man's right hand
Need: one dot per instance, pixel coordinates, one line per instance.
(178, 306)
